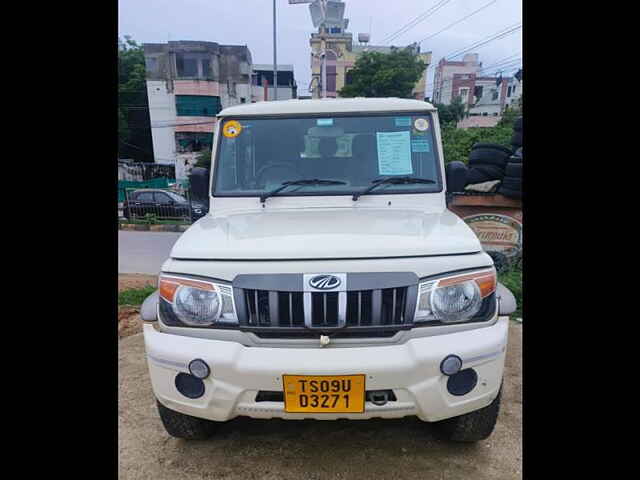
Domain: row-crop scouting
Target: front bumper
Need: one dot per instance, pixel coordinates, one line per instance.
(411, 370)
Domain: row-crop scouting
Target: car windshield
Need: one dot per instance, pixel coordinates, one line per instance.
(256, 155)
(176, 197)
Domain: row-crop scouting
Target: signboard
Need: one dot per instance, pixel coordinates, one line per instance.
(497, 233)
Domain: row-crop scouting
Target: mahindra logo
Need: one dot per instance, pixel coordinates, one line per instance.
(324, 282)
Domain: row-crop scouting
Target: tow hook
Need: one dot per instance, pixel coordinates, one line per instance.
(379, 397)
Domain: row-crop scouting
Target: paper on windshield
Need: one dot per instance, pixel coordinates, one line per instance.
(394, 153)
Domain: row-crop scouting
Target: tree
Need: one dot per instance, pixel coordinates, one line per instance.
(134, 133)
(378, 74)
(451, 114)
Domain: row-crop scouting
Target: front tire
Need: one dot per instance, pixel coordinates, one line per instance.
(184, 426)
(473, 426)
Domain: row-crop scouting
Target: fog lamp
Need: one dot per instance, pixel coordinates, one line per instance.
(199, 369)
(451, 365)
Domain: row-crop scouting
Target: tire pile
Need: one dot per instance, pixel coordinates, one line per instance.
(494, 167)
(512, 181)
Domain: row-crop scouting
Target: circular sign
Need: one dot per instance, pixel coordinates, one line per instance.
(497, 233)
(232, 129)
(421, 124)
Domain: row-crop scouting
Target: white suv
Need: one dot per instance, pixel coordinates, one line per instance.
(328, 280)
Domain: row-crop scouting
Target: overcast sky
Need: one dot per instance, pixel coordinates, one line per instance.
(249, 22)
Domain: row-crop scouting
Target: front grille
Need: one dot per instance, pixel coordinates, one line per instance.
(364, 308)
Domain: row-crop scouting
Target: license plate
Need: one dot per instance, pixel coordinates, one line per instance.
(324, 393)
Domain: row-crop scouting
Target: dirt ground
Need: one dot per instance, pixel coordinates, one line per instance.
(129, 321)
(306, 449)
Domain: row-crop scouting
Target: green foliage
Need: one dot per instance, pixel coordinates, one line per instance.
(203, 159)
(135, 296)
(512, 279)
(150, 219)
(509, 116)
(131, 82)
(378, 74)
(451, 114)
(457, 142)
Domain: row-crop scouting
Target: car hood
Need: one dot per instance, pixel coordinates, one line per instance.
(325, 233)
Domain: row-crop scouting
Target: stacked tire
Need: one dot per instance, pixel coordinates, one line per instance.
(516, 138)
(487, 161)
(512, 182)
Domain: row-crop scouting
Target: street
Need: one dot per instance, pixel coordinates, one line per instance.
(144, 252)
(309, 449)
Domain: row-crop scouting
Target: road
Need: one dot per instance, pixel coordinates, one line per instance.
(144, 252)
(308, 449)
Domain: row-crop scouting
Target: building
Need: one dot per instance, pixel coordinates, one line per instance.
(514, 89)
(455, 78)
(188, 83)
(262, 83)
(342, 55)
(482, 95)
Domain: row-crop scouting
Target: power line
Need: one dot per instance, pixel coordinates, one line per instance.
(480, 43)
(502, 63)
(457, 22)
(420, 18)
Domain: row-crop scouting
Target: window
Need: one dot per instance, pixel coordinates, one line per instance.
(494, 94)
(187, 67)
(162, 198)
(354, 150)
(193, 141)
(197, 105)
(151, 64)
(331, 78)
(508, 91)
(206, 65)
(144, 197)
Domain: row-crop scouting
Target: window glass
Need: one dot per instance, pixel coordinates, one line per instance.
(257, 155)
(146, 197)
(162, 198)
(197, 105)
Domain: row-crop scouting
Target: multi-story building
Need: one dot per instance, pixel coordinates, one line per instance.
(455, 78)
(188, 83)
(514, 89)
(262, 83)
(342, 55)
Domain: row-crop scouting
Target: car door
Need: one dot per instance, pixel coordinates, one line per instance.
(143, 204)
(166, 207)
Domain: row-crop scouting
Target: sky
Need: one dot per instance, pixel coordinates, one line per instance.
(250, 22)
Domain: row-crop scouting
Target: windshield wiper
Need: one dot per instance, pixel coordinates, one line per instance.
(390, 180)
(313, 181)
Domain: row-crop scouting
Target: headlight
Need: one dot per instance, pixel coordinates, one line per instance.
(196, 303)
(456, 298)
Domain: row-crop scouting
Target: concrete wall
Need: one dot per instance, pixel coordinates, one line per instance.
(162, 111)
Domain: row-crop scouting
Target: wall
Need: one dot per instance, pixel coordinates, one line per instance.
(162, 110)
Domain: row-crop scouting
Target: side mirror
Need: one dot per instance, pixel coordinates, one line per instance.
(506, 301)
(456, 175)
(199, 183)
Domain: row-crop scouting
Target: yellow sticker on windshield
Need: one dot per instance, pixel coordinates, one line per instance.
(232, 129)
(421, 124)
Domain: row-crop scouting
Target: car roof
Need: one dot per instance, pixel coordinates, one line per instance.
(327, 105)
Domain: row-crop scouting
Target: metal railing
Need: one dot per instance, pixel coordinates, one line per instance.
(156, 206)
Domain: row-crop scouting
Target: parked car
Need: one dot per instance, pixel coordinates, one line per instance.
(329, 280)
(162, 203)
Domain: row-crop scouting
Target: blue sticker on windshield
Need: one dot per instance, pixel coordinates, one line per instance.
(324, 122)
(420, 145)
(394, 153)
(403, 121)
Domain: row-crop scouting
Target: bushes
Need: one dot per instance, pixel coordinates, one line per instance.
(512, 279)
(457, 142)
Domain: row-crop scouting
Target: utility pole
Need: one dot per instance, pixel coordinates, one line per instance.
(275, 58)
